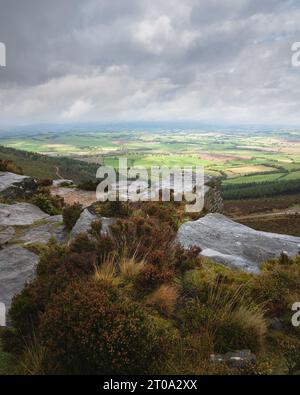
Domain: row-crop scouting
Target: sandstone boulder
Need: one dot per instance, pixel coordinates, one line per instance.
(86, 219)
(233, 244)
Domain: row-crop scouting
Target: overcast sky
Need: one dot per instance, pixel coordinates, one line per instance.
(139, 60)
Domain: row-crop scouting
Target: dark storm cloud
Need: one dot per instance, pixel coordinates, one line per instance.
(149, 59)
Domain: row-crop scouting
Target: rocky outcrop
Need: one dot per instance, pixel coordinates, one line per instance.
(233, 244)
(213, 201)
(14, 186)
(236, 360)
(20, 214)
(17, 266)
(85, 221)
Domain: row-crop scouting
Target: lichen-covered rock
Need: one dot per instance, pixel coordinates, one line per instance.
(85, 221)
(17, 266)
(20, 214)
(14, 186)
(233, 244)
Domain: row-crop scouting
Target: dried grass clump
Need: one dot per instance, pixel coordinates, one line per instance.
(107, 271)
(130, 268)
(164, 299)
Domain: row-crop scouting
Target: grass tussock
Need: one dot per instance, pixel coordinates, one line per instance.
(107, 271)
(34, 358)
(164, 299)
(130, 268)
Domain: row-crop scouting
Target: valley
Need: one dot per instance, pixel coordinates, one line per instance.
(236, 156)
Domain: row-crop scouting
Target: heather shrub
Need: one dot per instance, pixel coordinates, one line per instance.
(105, 246)
(23, 314)
(163, 211)
(289, 347)
(46, 182)
(51, 205)
(278, 286)
(151, 277)
(51, 259)
(143, 238)
(184, 260)
(90, 328)
(71, 214)
(82, 243)
(112, 209)
(78, 264)
(57, 267)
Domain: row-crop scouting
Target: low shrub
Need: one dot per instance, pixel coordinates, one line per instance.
(90, 328)
(71, 214)
(82, 243)
(144, 239)
(46, 182)
(115, 209)
(151, 277)
(51, 205)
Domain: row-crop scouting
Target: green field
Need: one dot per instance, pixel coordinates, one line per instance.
(237, 157)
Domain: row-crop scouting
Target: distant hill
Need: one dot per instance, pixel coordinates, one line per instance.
(43, 167)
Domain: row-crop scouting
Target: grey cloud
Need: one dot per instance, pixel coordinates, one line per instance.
(148, 58)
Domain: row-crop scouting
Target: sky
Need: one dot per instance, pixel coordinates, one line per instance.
(149, 60)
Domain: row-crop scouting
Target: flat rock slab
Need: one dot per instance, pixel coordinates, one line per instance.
(20, 214)
(17, 266)
(43, 233)
(233, 244)
(7, 233)
(85, 221)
